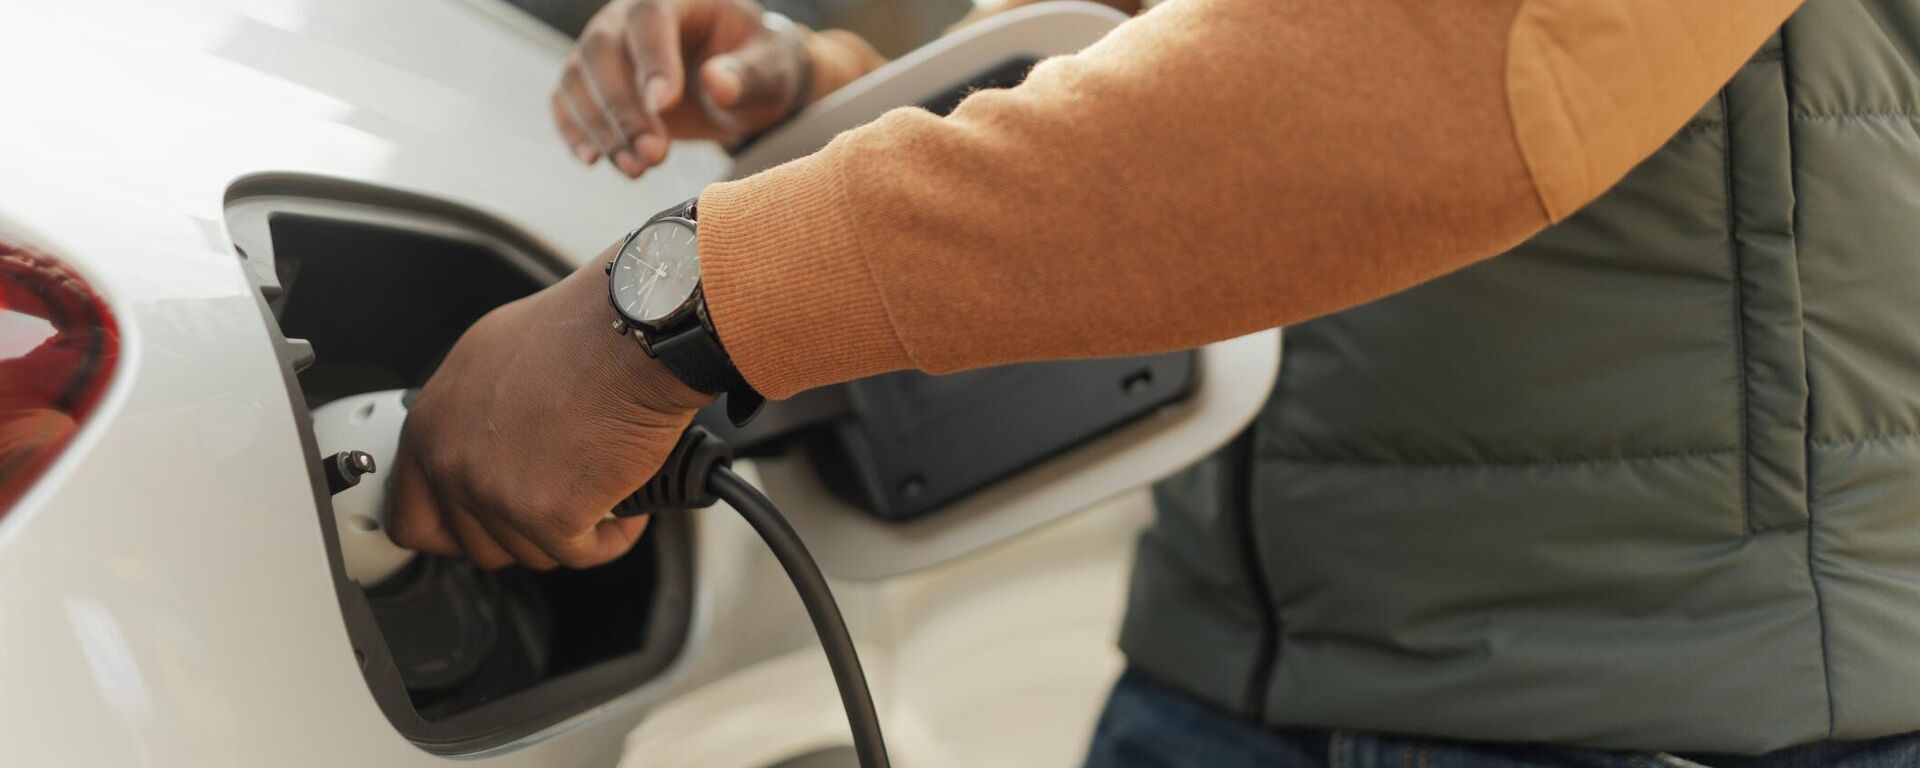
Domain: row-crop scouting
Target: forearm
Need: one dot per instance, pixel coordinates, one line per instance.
(1211, 168)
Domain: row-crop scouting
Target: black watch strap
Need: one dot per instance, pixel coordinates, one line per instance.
(691, 351)
(694, 355)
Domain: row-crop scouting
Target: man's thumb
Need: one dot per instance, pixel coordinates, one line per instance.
(762, 73)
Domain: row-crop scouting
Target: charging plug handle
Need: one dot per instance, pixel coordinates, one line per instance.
(683, 480)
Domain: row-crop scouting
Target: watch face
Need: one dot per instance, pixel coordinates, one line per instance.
(656, 273)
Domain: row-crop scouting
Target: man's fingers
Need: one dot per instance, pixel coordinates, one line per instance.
(759, 74)
(576, 139)
(413, 515)
(520, 547)
(475, 541)
(653, 38)
(653, 42)
(605, 541)
(586, 112)
(419, 520)
(609, 71)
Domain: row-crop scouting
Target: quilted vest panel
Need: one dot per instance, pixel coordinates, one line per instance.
(1649, 481)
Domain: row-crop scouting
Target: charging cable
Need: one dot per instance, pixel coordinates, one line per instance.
(698, 473)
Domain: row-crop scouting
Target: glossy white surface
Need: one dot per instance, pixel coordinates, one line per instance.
(164, 596)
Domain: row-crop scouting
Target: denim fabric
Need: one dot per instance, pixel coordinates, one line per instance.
(1147, 725)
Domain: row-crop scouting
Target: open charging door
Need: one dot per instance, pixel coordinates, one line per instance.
(901, 472)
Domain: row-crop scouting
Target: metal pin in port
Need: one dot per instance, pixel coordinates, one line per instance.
(344, 469)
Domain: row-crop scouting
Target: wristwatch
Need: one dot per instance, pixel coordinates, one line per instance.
(653, 282)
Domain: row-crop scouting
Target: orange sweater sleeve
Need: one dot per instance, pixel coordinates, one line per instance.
(1210, 168)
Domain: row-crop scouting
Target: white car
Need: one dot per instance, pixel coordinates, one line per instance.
(233, 234)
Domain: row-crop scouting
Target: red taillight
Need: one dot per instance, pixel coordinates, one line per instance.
(58, 345)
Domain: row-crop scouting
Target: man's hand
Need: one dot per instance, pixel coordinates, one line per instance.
(627, 88)
(538, 423)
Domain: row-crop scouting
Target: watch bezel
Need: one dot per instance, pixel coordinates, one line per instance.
(687, 305)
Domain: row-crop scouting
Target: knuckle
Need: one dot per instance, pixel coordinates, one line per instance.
(489, 490)
(552, 530)
(545, 523)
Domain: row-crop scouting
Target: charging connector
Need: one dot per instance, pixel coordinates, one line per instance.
(698, 473)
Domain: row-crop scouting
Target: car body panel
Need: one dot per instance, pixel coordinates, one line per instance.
(147, 621)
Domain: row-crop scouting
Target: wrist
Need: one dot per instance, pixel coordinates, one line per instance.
(652, 385)
(628, 374)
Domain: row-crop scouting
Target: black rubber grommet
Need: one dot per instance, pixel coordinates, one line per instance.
(681, 482)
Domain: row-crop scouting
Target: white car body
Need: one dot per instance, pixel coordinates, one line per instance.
(166, 591)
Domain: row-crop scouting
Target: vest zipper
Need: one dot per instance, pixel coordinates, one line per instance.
(1253, 700)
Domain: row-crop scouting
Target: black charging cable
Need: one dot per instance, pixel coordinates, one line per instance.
(699, 472)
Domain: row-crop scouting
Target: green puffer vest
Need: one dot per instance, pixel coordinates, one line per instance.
(1649, 481)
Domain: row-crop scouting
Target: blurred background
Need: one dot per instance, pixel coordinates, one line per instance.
(893, 26)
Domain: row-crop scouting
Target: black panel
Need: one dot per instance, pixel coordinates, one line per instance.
(1005, 75)
(381, 305)
(916, 442)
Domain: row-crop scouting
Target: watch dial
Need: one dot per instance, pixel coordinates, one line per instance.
(656, 273)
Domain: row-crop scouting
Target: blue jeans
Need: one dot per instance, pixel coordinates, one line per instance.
(1147, 725)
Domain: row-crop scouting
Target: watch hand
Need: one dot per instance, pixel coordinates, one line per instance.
(658, 270)
(647, 291)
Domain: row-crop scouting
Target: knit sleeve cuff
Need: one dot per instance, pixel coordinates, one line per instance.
(787, 284)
